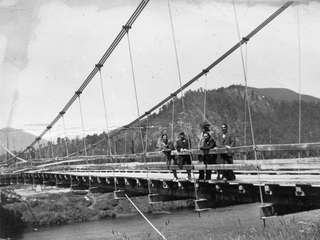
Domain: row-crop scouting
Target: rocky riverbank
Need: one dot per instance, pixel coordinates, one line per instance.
(52, 206)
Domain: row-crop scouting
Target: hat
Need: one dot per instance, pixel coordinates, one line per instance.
(205, 124)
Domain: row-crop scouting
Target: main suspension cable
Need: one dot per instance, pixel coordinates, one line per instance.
(104, 58)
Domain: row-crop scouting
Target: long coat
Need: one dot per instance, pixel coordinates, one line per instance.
(206, 146)
(228, 140)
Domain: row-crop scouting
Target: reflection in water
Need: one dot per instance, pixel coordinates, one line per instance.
(182, 224)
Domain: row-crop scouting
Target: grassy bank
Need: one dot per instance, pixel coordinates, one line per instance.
(52, 207)
(280, 229)
(55, 207)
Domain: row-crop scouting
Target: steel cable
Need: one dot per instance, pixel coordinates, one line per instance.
(129, 23)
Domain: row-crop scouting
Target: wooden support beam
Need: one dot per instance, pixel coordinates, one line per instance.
(126, 182)
(154, 198)
(119, 194)
(267, 211)
(201, 205)
(164, 184)
(138, 182)
(299, 192)
(150, 183)
(218, 188)
(241, 189)
(267, 190)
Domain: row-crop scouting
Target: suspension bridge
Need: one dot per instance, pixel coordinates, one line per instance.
(292, 182)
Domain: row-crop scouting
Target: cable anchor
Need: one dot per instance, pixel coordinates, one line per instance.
(205, 71)
(99, 66)
(78, 93)
(126, 27)
(245, 39)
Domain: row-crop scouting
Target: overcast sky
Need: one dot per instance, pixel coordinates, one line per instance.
(49, 47)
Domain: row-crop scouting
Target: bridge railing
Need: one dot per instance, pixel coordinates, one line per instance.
(157, 159)
(277, 166)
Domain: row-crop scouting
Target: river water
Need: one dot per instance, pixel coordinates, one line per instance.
(181, 224)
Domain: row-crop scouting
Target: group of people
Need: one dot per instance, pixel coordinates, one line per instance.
(207, 142)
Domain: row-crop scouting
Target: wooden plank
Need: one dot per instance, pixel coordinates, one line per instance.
(265, 165)
(314, 160)
(160, 155)
(292, 164)
(289, 166)
(239, 149)
(280, 172)
(226, 167)
(288, 147)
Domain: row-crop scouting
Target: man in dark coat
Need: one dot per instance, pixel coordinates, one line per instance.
(167, 147)
(227, 140)
(184, 145)
(207, 143)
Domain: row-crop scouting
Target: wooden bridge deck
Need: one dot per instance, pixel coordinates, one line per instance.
(243, 178)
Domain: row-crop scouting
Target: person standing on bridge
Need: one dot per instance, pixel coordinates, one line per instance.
(167, 147)
(227, 140)
(183, 145)
(207, 143)
(205, 128)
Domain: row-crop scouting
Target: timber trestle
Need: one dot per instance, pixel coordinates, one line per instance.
(293, 181)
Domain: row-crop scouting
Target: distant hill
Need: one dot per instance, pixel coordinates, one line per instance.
(18, 140)
(283, 94)
(274, 115)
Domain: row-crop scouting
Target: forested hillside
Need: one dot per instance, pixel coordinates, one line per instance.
(273, 122)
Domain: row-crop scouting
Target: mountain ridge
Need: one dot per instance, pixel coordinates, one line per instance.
(275, 119)
(15, 139)
(284, 94)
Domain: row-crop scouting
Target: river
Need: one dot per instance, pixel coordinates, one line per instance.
(180, 224)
